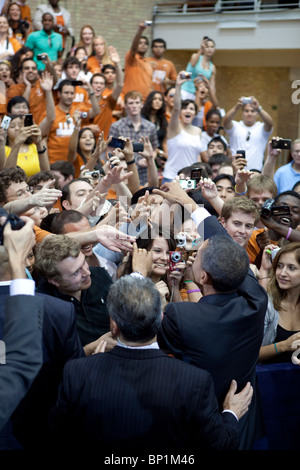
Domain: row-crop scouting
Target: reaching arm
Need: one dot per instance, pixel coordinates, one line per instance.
(269, 167)
(136, 39)
(46, 82)
(227, 120)
(174, 127)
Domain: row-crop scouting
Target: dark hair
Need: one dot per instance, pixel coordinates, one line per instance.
(9, 176)
(288, 193)
(98, 74)
(63, 83)
(160, 41)
(211, 112)
(147, 40)
(108, 66)
(63, 218)
(141, 192)
(185, 103)
(138, 315)
(218, 138)
(35, 179)
(16, 100)
(79, 151)
(295, 185)
(15, 61)
(70, 60)
(226, 263)
(161, 121)
(224, 176)
(65, 168)
(66, 189)
(26, 60)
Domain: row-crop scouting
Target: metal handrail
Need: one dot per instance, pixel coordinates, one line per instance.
(220, 6)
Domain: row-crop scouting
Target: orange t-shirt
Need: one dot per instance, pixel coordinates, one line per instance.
(252, 248)
(40, 234)
(105, 118)
(164, 69)
(93, 65)
(61, 131)
(120, 103)
(26, 12)
(37, 99)
(137, 75)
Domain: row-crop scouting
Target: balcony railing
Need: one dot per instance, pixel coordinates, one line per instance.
(222, 6)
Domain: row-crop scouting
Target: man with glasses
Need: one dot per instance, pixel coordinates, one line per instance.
(249, 134)
(45, 41)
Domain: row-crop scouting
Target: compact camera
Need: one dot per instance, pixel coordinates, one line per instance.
(147, 23)
(246, 99)
(184, 75)
(95, 174)
(83, 115)
(174, 258)
(269, 209)
(188, 184)
(41, 56)
(5, 122)
(181, 240)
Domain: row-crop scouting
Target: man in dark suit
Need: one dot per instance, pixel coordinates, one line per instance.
(21, 342)
(222, 333)
(135, 398)
(59, 342)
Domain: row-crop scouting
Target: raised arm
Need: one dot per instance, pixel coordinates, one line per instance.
(229, 116)
(136, 39)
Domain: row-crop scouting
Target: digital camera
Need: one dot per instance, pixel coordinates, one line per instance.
(83, 115)
(188, 184)
(181, 240)
(184, 75)
(246, 99)
(269, 209)
(15, 222)
(174, 258)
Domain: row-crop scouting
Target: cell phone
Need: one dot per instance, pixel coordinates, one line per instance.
(138, 147)
(28, 120)
(77, 83)
(5, 122)
(242, 154)
(281, 144)
(184, 75)
(196, 174)
(117, 143)
(41, 56)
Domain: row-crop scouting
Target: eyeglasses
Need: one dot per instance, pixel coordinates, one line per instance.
(248, 136)
(49, 42)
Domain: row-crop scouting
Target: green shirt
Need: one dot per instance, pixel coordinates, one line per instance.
(41, 42)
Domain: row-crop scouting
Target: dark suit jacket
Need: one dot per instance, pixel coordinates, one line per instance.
(23, 356)
(60, 344)
(221, 333)
(140, 400)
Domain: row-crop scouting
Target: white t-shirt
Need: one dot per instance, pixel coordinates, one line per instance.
(183, 150)
(252, 139)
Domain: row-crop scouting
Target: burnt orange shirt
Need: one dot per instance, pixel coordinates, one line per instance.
(61, 131)
(105, 118)
(137, 75)
(164, 69)
(37, 99)
(26, 13)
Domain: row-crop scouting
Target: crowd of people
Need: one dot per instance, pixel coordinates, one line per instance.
(159, 235)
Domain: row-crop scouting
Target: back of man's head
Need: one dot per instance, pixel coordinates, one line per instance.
(63, 218)
(134, 305)
(52, 251)
(226, 263)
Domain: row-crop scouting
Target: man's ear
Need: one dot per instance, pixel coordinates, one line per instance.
(54, 282)
(205, 278)
(223, 222)
(66, 205)
(113, 328)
